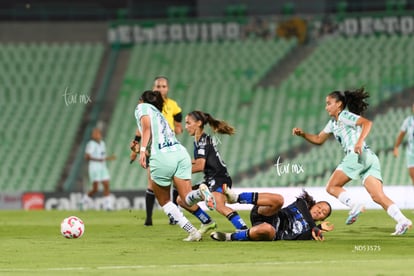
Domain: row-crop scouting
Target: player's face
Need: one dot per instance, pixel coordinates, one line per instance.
(96, 135)
(162, 86)
(333, 107)
(191, 125)
(320, 211)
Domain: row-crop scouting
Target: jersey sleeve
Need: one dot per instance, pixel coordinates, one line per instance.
(404, 126)
(201, 149)
(89, 148)
(176, 109)
(328, 128)
(348, 118)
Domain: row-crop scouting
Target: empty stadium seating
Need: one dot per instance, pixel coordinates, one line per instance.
(38, 122)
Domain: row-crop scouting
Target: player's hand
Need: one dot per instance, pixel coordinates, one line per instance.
(395, 152)
(327, 226)
(317, 234)
(132, 157)
(110, 158)
(134, 146)
(358, 148)
(143, 159)
(298, 131)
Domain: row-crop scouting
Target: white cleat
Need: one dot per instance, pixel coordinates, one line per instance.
(194, 236)
(402, 227)
(230, 195)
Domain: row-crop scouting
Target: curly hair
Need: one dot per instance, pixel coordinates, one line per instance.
(354, 100)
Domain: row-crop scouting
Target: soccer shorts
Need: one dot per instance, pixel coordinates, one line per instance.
(98, 174)
(164, 166)
(410, 160)
(361, 166)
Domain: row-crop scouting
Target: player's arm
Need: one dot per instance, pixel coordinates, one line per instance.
(317, 139)
(198, 165)
(178, 126)
(398, 142)
(145, 138)
(88, 157)
(365, 125)
(134, 146)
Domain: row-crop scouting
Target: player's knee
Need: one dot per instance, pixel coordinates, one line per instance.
(265, 231)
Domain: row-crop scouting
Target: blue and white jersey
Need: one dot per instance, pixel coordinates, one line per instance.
(408, 128)
(345, 130)
(162, 136)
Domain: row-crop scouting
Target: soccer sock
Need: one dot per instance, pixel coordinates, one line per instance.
(202, 216)
(174, 196)
(108, 202)
(172, 211)
(236, 220)
(193, 197)
(395, 212)
(149, 203)
(248, 198)
(345, 198)
(241, 235)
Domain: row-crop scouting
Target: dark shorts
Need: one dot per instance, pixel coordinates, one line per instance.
(216, 184)
(256, 218)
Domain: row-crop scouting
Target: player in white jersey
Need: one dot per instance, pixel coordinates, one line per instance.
(351, 129)
(169, 162)
(95, 153)
(407, 128)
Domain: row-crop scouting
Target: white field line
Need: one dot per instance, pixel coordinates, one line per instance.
(160, 266)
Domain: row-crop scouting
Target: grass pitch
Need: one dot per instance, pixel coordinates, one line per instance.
(117, 243)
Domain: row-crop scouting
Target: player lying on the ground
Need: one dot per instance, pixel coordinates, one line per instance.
(272, 222)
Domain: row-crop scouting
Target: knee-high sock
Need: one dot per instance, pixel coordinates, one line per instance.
(236, 220)
(172, 211)
(395, 212)
(149, 202)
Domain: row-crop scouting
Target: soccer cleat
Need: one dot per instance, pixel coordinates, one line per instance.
(208, 197)
(220, 236)
(230, 195)
(207, 227)
(194, 236)
(354, 213)
(401, 228)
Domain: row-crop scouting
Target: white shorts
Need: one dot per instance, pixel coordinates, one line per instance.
(98, 174)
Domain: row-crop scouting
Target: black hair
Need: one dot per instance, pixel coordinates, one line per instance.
(311, 202)
(154, 98)
(353, 100)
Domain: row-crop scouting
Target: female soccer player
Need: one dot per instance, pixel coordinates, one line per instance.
(272, 222)
(407, 127)
(351, 129)
(168, 161)
(95, 154)
(207, 159)
(173, 114)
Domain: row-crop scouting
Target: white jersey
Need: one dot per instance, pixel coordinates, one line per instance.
(408, 128)
(96, 150)
(162, 136)
(345, 130)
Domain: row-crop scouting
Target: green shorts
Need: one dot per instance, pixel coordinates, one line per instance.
(361, 166)
(164, 166)
(410, 160)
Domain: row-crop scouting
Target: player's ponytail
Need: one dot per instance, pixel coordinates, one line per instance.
(354, 100)
(218, 126)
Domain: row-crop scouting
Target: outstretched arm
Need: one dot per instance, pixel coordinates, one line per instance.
(317, 139)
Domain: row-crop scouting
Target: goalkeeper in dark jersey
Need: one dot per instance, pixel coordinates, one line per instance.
(271, 222)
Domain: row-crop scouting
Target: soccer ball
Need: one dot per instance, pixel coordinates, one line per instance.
(72, 227)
